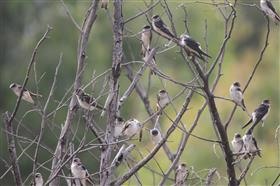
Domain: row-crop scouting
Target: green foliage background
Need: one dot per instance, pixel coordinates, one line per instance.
(22, 23)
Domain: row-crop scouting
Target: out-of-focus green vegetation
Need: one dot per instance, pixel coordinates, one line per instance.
(22, 23)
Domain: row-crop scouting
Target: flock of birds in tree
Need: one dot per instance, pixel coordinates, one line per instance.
(245, 146)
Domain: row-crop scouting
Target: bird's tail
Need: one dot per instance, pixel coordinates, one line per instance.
(243, 105)
(205, 54)
(247, 123)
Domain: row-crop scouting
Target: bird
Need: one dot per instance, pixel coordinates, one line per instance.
(181, 174)
(237, 95)
(131, 128)
(155, 135)
(193, 46)
(26, 95)
(38, 180)
(237, 143)
(146, 38)
(160, 27)
(87, 102)
(162, 99)
(269, 10)
(259, 114)
(79, 172)
(119, 124)
(122, 154)
(104, 4)
(250, 144)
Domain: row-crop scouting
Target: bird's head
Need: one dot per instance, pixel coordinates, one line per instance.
(38, 175)
(154, 132)
(76, 161)
(237, 136)
(236, 84)
(266, 102)
(155, 18)
(146, 28)
(162, 92)
(13, 85)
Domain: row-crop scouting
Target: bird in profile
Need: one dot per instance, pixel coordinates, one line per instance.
(181, 174)
(104, 4)
(193, 46)
(269, 10)
(26, 95)
(146, 38)
(87, 102)
(250, 144)
(259, 114)
(160, 27)
(237, 95)
(162, 99)
(38, 180)
(237, 143)
(155, 135)
(80, 173)
(131, 128)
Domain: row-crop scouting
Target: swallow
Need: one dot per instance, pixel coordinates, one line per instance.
(259, 114)
(237, 95)
(79, 172)
(193, 46)
(122, 154)
(146, 38)
(237, 143)
(162, 99)
(104, 4)
(87, 102)
(26, 95)
(38, 180)
(131, 128)
(161, 28)
(250, 144)
(119, 124)
(181, 174)
(155, 135)
(269, 10)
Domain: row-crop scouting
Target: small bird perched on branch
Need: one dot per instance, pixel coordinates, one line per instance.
(181, 174)
(81, 174)
(162, 29)
(146, 38)
(131, 128)
(122, 154)
(104, 4)
(259, 114)
(87, 102)
(162, 99)
(193, 46)
(38, 180)
(155, 135)
(269, 10)
(237, 95)
(250, 144)
(237, 143)
(26, 95)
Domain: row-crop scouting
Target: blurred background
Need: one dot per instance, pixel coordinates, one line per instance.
(22, 23)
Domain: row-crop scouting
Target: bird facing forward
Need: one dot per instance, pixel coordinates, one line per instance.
(237, 95)
(146, 38)
(79, 171)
